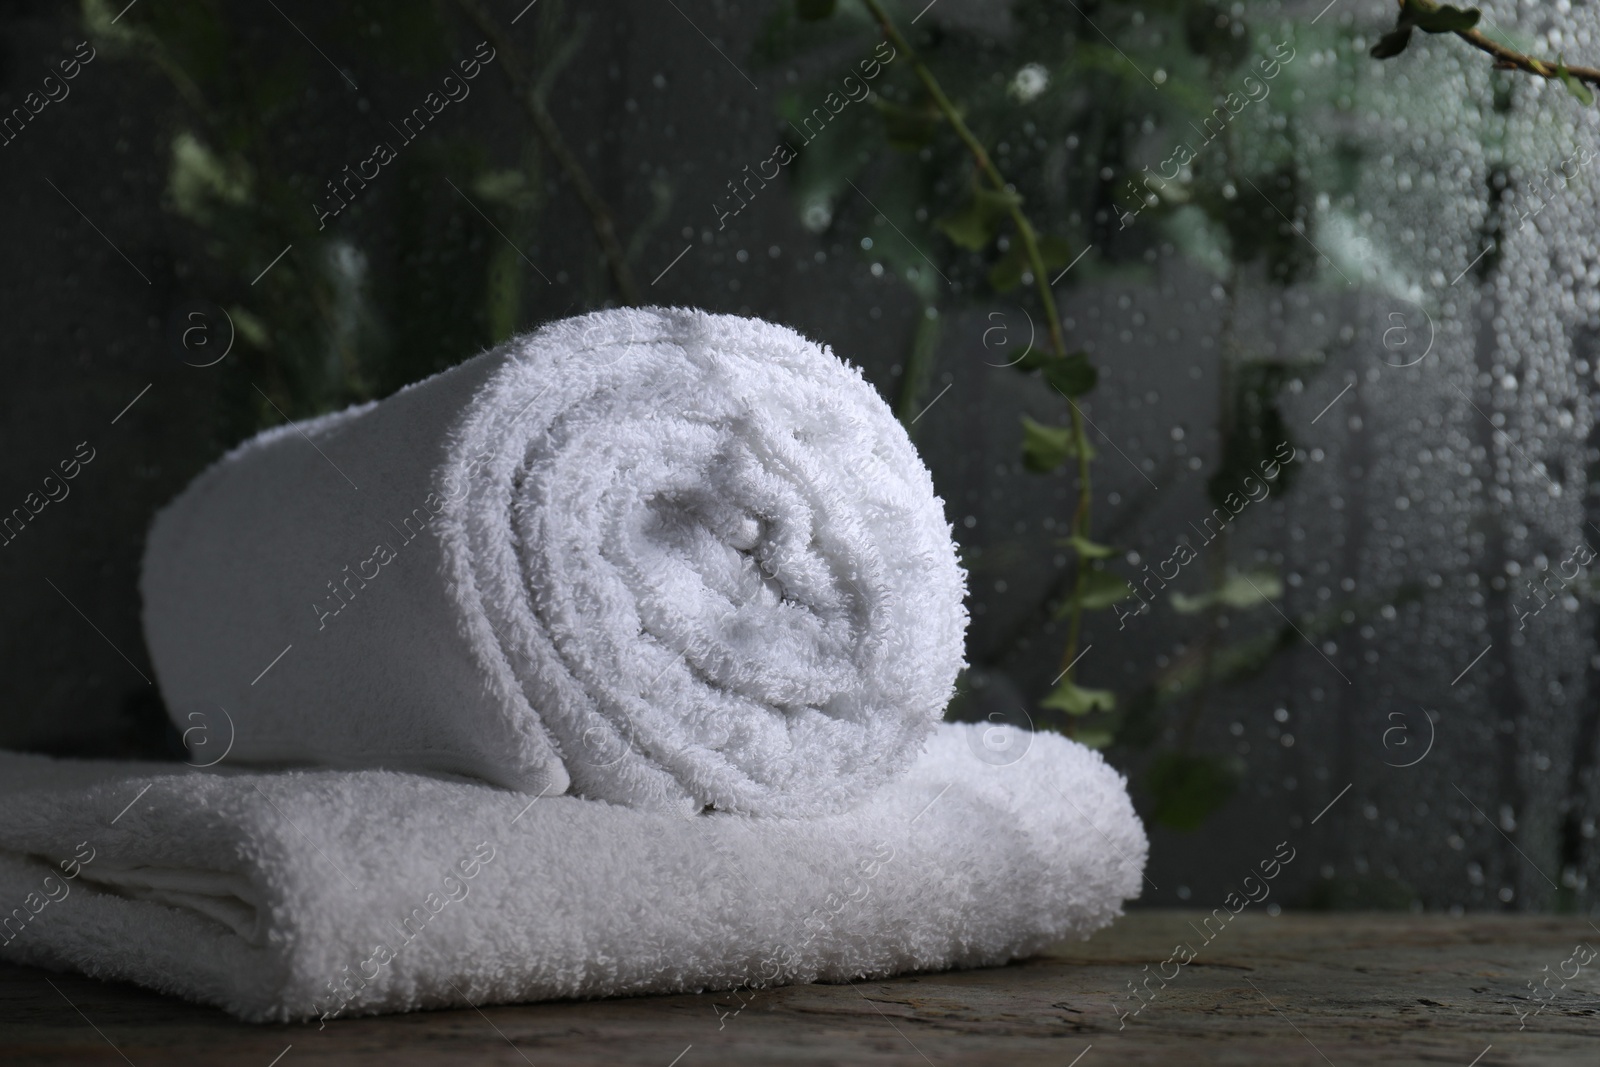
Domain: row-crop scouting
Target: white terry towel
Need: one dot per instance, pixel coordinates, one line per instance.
(293, 895)
(659, 557)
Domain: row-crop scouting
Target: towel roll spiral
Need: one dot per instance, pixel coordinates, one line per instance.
(672, 560)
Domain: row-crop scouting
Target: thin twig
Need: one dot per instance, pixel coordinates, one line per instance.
(1510, 59)
(1030, 246)
(545, 125)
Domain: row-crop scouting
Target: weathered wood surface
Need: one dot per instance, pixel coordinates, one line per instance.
(1296, 989)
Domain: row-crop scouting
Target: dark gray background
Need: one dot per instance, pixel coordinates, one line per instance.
(1402, 481)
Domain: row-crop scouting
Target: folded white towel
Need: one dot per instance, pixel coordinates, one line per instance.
(300, 894)
(661, 557)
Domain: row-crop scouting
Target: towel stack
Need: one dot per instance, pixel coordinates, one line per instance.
(633, 636)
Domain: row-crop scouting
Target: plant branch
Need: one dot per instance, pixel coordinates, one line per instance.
(1430, 16)
(1042, 610)
(1030, 245)
(527, 92)
(1510, 59)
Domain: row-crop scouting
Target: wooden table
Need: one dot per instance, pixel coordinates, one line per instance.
(1337, 988)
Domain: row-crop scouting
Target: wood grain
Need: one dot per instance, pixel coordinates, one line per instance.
(1335, 988)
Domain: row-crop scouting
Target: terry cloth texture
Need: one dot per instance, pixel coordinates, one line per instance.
(295, 895)
(656, 557)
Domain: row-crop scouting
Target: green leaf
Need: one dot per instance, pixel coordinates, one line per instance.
(1033, 359)
(1425, 15)
(1044, 448)
(822, 174)
(1007, 272)
(1431, 17)
(1072, 376)
(1096, 739)
(509, 187)
(1055, 251)
(251, 329)
(1009, 269)
(1391, 44)
(906, 128)
(1238, 591)
(1450, 19)
(1188, 788)
(1088, 549)
(203, 183)
(1574, 86)
(813, 10)
(968, 227)
(1073, 699)
(973, 224)
(1101, 589)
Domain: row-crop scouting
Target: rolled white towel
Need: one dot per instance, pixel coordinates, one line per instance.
(659, 557)
(296, 895)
